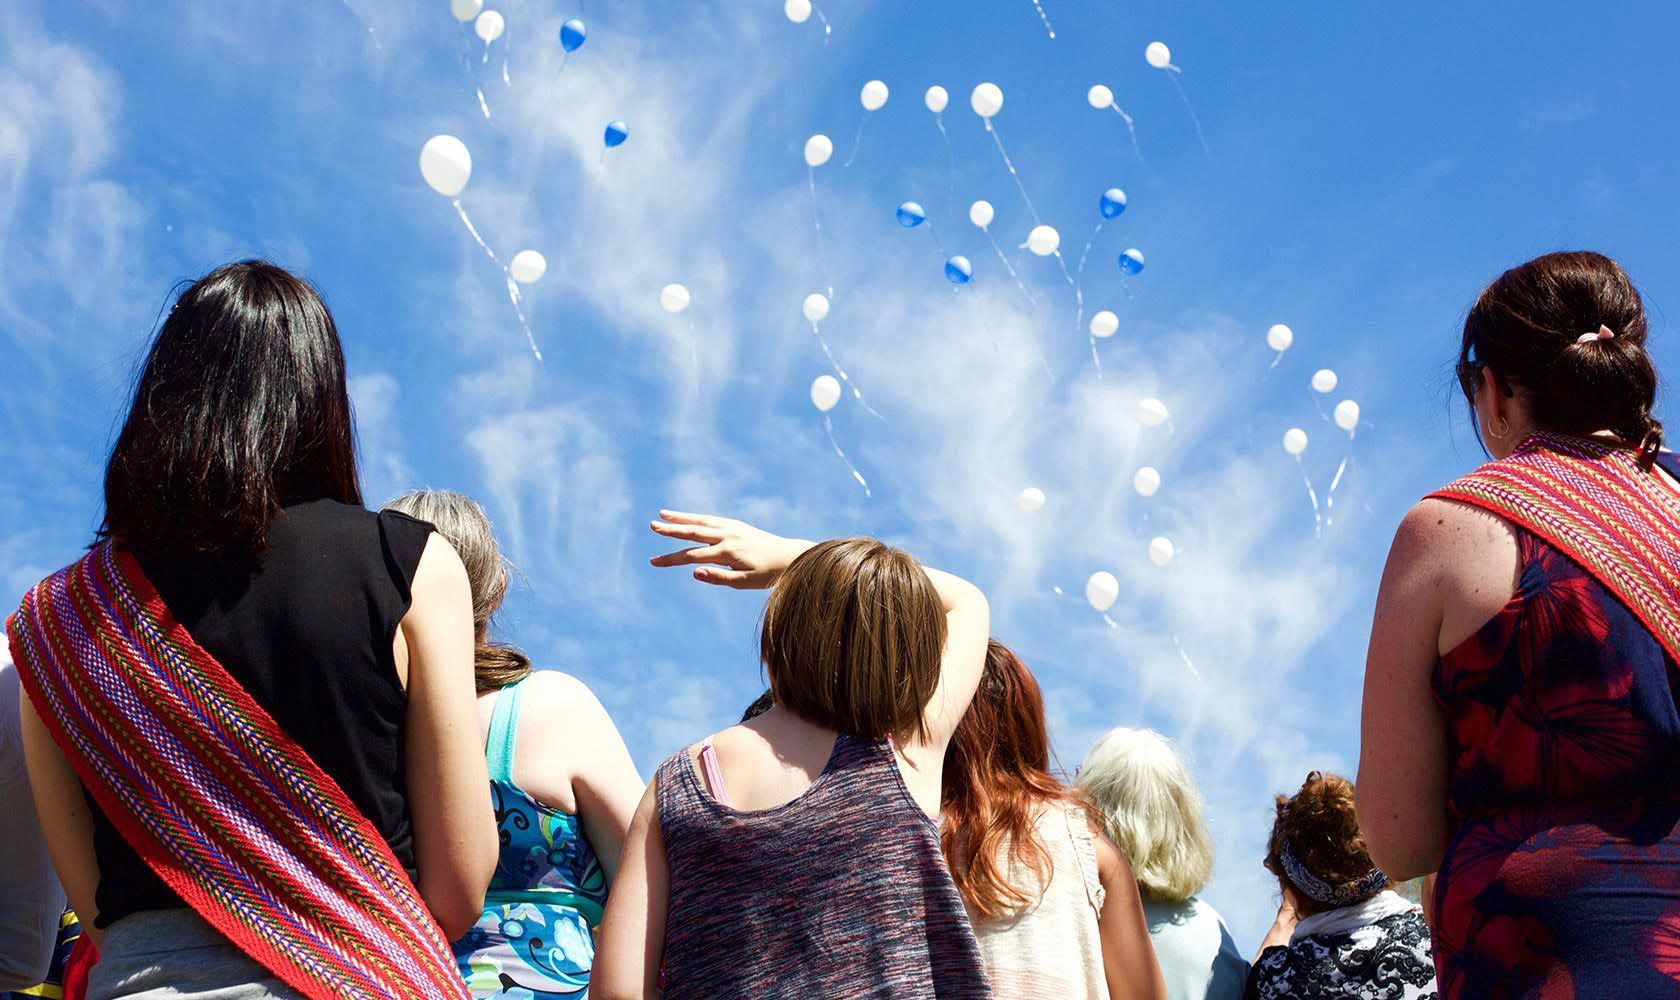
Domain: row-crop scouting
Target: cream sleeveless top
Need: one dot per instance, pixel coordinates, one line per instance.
(1052, 950)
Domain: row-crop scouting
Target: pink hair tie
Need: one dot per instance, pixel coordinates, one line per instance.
(1604, 333)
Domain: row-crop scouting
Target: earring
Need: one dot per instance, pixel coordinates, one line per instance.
(1503, 431)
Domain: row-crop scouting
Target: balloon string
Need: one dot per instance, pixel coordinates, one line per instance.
(951, 159)
(1008, 266)
(1194, 120)
(1131, 129)
(513, 296)
(828, 29)
(1105, 617)
(829, 426)
(856, 392)
(1275, 361)
(1088, 245)
(997, 137)
(483, 105)
(1312, 495)
(1336, 483)
(486, 53)
(857, 140)
(462, 212)
(822, 240)
(505, 80)
(937, 242)
(1095, 360)
(693, 355)
(1045, 18)
(1182, 655)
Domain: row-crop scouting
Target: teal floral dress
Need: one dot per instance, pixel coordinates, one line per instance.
(535, 938)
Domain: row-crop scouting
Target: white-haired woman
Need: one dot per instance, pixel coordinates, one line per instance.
(1153, 812)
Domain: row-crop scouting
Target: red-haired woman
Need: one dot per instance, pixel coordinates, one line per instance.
(1053, 902)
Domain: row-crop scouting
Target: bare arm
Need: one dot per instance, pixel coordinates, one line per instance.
(1129, 962)
(632, 939)
(455, 841)
(1283, 928)
(605, 781)
(65, 820)
(1402, 748)
(967, 625)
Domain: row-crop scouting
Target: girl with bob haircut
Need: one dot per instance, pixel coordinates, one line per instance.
(1520, 727)
(264, 689)
(1153, 811)
(797, 854)
(1341, 930)
(1053, 903)
(562, 782)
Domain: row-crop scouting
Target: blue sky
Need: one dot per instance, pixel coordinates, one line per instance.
(1370, 170)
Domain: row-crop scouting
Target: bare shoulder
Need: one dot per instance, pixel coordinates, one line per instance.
(1111, 864)
(557, 691)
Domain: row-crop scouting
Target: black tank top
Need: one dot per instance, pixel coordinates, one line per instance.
(308, 633)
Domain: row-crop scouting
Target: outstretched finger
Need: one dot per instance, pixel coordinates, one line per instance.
(738, 579)
(684, 517)
(687, 532)
(689, 557)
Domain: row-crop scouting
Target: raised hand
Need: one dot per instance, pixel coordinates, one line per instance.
(728, 553)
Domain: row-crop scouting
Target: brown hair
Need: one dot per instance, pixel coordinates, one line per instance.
(997, 779)
(1526, 326)
(1319, 825)
(462, 522)
(853, 639)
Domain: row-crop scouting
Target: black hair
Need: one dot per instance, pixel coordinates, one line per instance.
(240, 408)
(1527, 327)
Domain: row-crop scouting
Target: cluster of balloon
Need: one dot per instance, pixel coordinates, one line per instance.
(981, 214)
(937, 99)
(873, 97)
(1031, 500)
(1158, 56)
(800, 11)
(1102, 98)
(1295, 445)
(1101, 591)
(987, 100)
(825, 396)
(816, 310)
(1109, 206)
(446, 166)
(1279, 338)
(818, 150)
(572, 36)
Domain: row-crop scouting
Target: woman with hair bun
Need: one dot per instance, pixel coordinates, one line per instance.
(1520, 729)
(1341, 931)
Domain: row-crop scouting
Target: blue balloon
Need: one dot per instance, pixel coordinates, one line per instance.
(1113, 203)
(572, 34)
(617, 132)
(1131, 261)
(910, 215)
(958, 271)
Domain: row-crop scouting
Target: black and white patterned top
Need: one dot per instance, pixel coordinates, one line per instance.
(1386, 960)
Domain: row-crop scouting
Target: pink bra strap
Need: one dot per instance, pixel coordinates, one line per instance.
(714, 774)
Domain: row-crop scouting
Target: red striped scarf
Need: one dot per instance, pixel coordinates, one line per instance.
(1592, 501)
(225, 807)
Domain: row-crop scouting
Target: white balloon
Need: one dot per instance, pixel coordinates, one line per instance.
(1031, 499)
(1295, 440)
(1158, 55)
(1161, 550)
(1100, 97)
(1151, 412)
(489, 25)
(1279, 337)
(1102, 590)
(874, 95)
(937, 97)
(825, 392)
(465, 10)
(1347, 415)
(527, 266)
(445, 164)
(980, 213)
(987, 100)
(797, 11)
(818, 149)
(816, 307)
(1043, 240)
(1324, 380)
(674, 298)
(1104, 324)
(1146, 481)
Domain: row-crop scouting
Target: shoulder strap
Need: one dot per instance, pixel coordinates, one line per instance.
(1592, 502)
(245, 827)
(504, 730)
(714, 774)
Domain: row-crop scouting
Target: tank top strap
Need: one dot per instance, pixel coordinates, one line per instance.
(714, 773)
(504, 728)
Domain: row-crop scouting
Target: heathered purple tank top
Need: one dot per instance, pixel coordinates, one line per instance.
(842, 892)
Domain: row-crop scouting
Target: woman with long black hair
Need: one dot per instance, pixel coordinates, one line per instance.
(250, 727)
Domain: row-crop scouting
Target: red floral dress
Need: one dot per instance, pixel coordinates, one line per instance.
(1562, 876)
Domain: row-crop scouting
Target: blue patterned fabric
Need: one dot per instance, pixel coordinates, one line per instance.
(535, 938)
